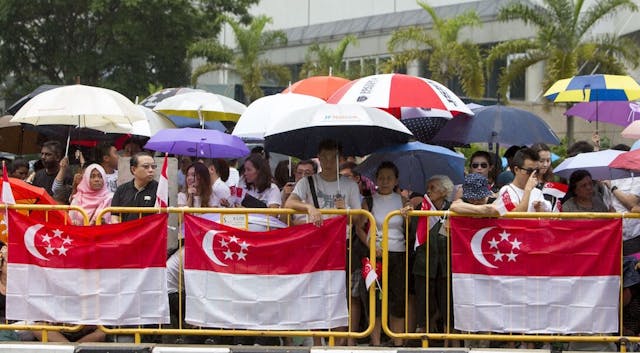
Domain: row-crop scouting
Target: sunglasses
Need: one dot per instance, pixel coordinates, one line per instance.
(482, 165)
(529, 170)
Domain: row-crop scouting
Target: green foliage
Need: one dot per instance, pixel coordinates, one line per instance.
(321, 60)
(447, 57)
(123, 45)
(251, 42)
(564, 40)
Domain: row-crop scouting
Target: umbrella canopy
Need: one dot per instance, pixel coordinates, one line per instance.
(317, 86)
(201, 105)
(627, 160)
(591, 88)
(13, 109)
(498, 124)
(417, 162)
(359, 129)
(394, 91)
(632, 131)
(261, 113)
(422, 122)
(157, 97)
(25, 193)
(620, 113)
(199, 143)
(152, 123)
(5, 121)
(80, 106)
(596, 163)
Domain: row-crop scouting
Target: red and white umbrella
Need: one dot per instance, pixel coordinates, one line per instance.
(421, 104)
(395, 91)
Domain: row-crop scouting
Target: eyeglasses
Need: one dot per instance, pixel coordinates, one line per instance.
(529, 170)
(149, 166)
(476, 165)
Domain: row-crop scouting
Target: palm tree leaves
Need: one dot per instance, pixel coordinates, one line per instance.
(323, 60)
(447, 57)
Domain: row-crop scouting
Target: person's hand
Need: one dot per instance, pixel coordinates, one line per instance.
(315, 216)
(537, 205)
(378, 252)
(64, 163)
(406, 209)
(532, 182)
(224, 203)
(191, 190)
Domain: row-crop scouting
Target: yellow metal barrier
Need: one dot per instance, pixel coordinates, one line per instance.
(449, 335)
(332, 335)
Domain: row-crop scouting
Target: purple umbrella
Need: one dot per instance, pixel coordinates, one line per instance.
(198, 143)
(620, 113)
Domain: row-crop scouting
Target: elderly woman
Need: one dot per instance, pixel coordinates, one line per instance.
(93, 195)
(438, 188)
(584, 197)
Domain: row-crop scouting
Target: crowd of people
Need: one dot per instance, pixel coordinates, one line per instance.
(332, 181)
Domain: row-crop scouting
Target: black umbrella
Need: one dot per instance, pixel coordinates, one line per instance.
(13, 109)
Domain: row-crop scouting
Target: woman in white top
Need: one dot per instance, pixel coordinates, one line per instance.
(197, 192)
(219, 173)
(257, 181)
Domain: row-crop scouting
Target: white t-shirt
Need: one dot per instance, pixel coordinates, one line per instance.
(382, 206)
(510, 197)
(269, 196)
(234, 177)
(630, 226)
(326, 191)
(220, 191)
(112, 181)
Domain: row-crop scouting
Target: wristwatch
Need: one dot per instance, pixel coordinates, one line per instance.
(614, 188)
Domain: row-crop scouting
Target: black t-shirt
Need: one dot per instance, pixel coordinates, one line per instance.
(128, 196)
(44, 180)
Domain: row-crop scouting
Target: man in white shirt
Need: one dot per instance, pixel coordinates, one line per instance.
(522, 195)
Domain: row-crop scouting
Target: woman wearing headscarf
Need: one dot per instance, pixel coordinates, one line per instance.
(93, 195)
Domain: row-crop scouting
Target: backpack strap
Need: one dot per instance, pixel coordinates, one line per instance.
(312, 187)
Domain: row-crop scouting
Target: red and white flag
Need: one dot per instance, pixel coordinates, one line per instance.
(112, 274)
(369, 274)
(162, 194)
(423, 227)
(557, 191)
(7, 194)
(536, 276)
(288, 279)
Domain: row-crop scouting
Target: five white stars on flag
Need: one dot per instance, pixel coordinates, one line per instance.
(240, 255)
(504, 236)
(62, 250)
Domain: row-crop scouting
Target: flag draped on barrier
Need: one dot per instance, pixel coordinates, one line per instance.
(536, 276)
(111, 274)
(291, 278)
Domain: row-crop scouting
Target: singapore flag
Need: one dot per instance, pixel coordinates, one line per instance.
(291, 279)
(536, 276)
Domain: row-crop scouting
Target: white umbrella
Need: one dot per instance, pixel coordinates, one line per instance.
(202, 105)
(260, 114)
(153, 123)
(80, 106)
(596, 163)
(359, 129)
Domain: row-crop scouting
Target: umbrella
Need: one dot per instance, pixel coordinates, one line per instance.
(627, 160)
(422, 124)
(153, 123)
(593, 88)
(359, 129)
(417, 162)
(632, 131)
(394, 91)
(81, 106)
(5, 121)
(203, 106)
(614, 112)
(199, 143)
(13, 109)
(596, 163)
(155, 98)
(25, 193)
(318, 86)
(498, 124)
(261, 113)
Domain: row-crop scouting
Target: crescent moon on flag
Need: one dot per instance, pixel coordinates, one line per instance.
(29, 241)
(476, 247)
(207, 246)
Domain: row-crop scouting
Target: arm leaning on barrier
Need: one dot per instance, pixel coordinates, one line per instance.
(460, 206)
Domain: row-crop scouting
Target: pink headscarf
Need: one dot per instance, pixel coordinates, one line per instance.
(92, 201)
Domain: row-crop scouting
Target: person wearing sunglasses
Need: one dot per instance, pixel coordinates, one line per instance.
(521, 195)
(481, 162)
